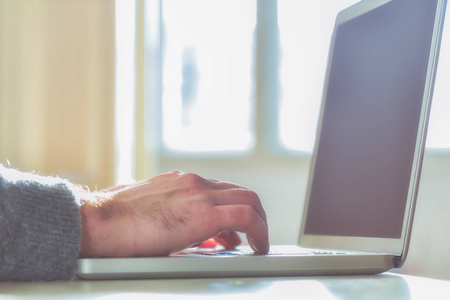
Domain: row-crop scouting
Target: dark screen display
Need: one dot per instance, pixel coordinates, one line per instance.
(370, 121)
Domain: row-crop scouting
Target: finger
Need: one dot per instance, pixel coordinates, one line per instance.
(244, 218)
(238, 197)
(191, 179)
(228, 239)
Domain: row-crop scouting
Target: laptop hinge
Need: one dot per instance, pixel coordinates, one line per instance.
(398, 261)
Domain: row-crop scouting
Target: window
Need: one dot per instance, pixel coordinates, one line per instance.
(439, 126)
(125, 89)
(207, 74)
(210, 56)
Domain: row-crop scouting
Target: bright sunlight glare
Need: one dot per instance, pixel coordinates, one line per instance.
(125, 89)
(207, 77)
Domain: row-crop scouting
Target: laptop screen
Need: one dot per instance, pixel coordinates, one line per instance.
(370, 121)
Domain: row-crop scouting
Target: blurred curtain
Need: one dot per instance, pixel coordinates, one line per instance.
(57, 88)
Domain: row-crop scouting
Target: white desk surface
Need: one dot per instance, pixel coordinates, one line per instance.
(384, 286)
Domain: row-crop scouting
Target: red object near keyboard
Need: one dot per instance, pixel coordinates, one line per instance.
(228, 239)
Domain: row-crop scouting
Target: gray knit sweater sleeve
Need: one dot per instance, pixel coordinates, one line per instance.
(40, 227)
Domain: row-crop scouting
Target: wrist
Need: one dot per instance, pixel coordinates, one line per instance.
(92, 226)
(89, 223)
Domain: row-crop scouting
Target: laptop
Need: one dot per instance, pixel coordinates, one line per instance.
(365, 171)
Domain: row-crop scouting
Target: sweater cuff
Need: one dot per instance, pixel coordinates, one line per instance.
(40, 227)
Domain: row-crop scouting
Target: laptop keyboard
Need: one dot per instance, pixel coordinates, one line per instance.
(240, 252)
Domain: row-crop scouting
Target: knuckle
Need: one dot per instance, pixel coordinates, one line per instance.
(252, 197)
(175, 172)
(198, 195)
(191, 178)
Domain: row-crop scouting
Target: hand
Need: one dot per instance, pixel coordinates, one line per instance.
(168, 213)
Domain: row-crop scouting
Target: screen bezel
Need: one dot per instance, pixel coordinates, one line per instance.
(397, 246)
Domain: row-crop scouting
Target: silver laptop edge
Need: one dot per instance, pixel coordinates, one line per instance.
(426, 108)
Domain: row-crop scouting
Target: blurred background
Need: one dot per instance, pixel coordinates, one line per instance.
(105, 92)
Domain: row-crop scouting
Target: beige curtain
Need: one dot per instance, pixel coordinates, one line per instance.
(57, 88)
